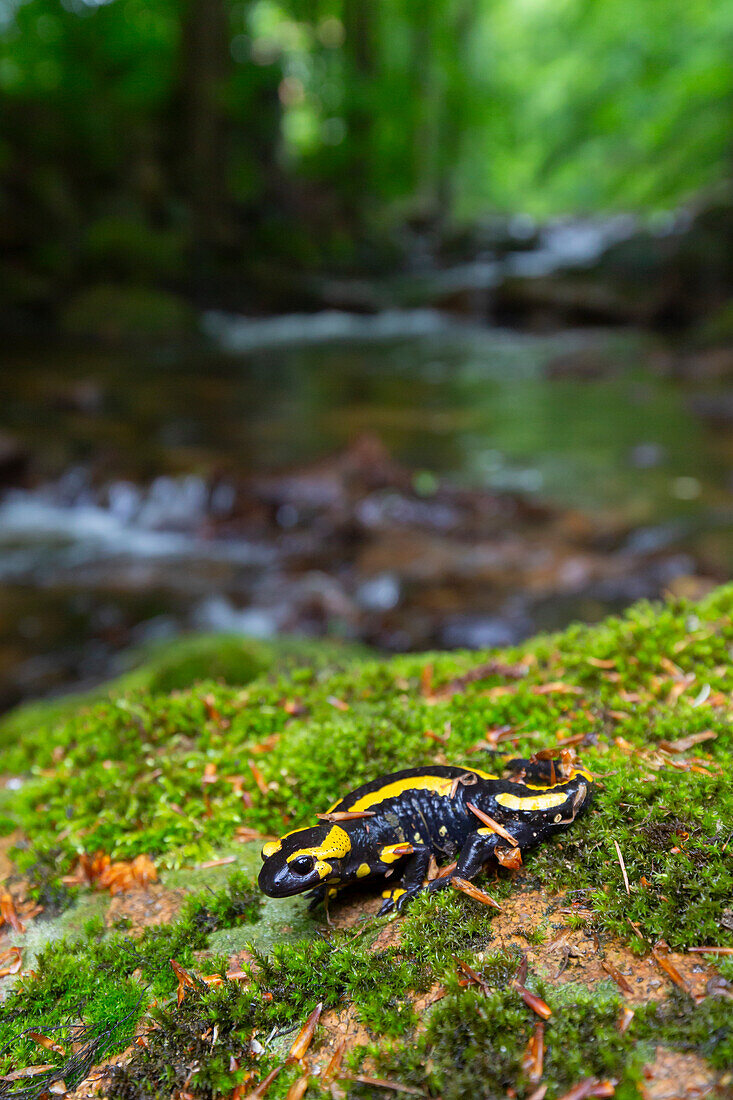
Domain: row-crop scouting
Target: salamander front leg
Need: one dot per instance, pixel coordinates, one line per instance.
(411, 882)
(475, 851)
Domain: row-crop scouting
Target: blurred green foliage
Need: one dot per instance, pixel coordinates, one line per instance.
(135, 133)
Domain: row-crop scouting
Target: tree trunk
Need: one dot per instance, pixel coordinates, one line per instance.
(204, 67)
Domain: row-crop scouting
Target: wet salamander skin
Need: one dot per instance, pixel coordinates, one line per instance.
(413, 814)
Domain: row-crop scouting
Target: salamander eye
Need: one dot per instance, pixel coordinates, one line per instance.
(303, 865)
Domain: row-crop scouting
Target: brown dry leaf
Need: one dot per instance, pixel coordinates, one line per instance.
(209, 775)
(46, 1042)
(264, 1085)
(9, 914)
(99, 871)
(659, 955)
(712, 950)
(266, 744)
(498, 692)
(29, 1071)
(298, 1088)
(339, 704)
(617, 976)
(471, 974)
(511, 858)
(533, 1001)
(13, 958)
(426, 682)
(686, 743)
(534, 1054)
(258, 777)
(333, 1067)
(346, 815)
(474, 892)
(597, 662)
(184, 980)
(671, 668)
(590, 1086)
(556, 687)
(494, 825)
(625, 1019)
(210, 704)
(305, 1036)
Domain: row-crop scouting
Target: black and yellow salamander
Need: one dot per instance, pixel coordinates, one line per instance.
(390, 827)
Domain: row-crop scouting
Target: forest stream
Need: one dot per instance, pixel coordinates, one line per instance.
(406, 479)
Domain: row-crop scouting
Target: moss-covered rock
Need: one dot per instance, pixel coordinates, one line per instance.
(163, 766)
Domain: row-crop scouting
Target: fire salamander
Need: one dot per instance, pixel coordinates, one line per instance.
(390, 828)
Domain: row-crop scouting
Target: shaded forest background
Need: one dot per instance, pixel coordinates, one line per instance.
(205, 143)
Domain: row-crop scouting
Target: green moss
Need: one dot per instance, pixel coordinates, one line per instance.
(475, 1041)
(100, 980)
(161, 765)
(176, 665)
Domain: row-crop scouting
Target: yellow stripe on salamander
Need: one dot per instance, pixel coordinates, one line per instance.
(336, 845)
(532, 802)
(440, 784)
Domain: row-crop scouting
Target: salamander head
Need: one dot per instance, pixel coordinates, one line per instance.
(303, 859)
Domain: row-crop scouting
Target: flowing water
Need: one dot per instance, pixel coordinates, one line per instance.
(102, 543)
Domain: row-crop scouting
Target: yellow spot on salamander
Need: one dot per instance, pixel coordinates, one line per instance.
(443, 830)
(394, 852)
(363, 870)
(532, 802)
(397, 892)
(270, 848)
(439, 784)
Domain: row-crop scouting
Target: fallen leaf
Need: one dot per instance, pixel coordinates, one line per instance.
(533, 1001)
(494, 825)
(29, 1071)
(9, 914)
(617, 976)
(258, 777)
(298, 1088)
(686, 743)
(305, 1035)
(556, 687)
(46, 1042)
(534, 1053)
(474, 892)
(590, 1086)
(334, 1065)
(185, 980)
